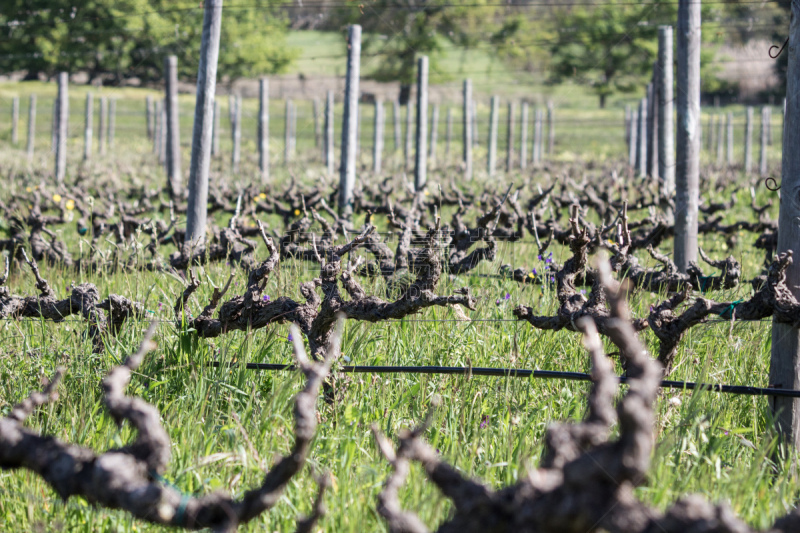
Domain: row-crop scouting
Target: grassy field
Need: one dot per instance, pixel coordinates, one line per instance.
(716, 445)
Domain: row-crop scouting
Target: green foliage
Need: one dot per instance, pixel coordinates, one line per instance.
(119, 39)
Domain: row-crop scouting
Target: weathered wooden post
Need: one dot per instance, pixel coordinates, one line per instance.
(377, 140)
(628, 126)
(551, 128)
(112, 121)
(720, 139)
(510, 137)
(263, 129)
(87, 127)
(173, 133)
(421, 162)
(63, 123)
(162, 134)
(467, 128)
(31, 127)
(236, 134)
(666, 132)
(633, 145)
(102, 127)
(764, 142)
(523, 137)
(537, 136)
(408, 149)
(649, 130)
(397, 127)
(329, 133)
(641, 134)
(729, 137)
(216, 126)
(491, 161)
(15, 120)
(449, 135)
(202, 132)
(148, 112)
(654, 110)
(784, 370)
(434, 135)
(748, 141)
(287, 133)
(687, 164)
(347, 177)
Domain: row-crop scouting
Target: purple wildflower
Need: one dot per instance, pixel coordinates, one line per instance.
(484, 421)
(266, 298)
(651, 309)
(583, 291)
(497, 302)
(552, 279)
(534, 271)
(508, 296)
(290, 338)
(539, 257)
(159, 305)
(548, 260)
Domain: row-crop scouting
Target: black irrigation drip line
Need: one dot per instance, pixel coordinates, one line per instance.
(524, 373)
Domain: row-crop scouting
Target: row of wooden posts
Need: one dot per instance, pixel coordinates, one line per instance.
(641, 134)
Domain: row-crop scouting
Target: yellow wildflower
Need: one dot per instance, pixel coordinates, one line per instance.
(296, 212)
(57, 198)
(70, 205)
(28, 189)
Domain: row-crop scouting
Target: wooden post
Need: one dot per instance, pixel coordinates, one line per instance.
(720, 139)
(467, 128)
(102, 127)
(421, 163)
(654, 110)
(263, 129)
(449, 135)
(764, 142)
(633, 145)
(551, 128)
(329, 133)
(31, 127)
(87, 127)
(15, 120)
(287, 133)
(63, 122)
(648, 163)
(397, 127)
(628, 126)
(172, 129)
(687, 164)
(510, 137)
(748, 141)
(236, 135)
(377, 138)
(666, 132)
(641, 134)
(112, 121)
(408, 147)
(148, 112)
(202, 131)
(434, 135)
(537, 136)
(491, 161)
(347, 177)
(162, 135)
(523, 137)
(769, 125)
(784, 370)
(729, 137)
(216, 127)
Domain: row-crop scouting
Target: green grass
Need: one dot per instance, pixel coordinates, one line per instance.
(699, 435)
